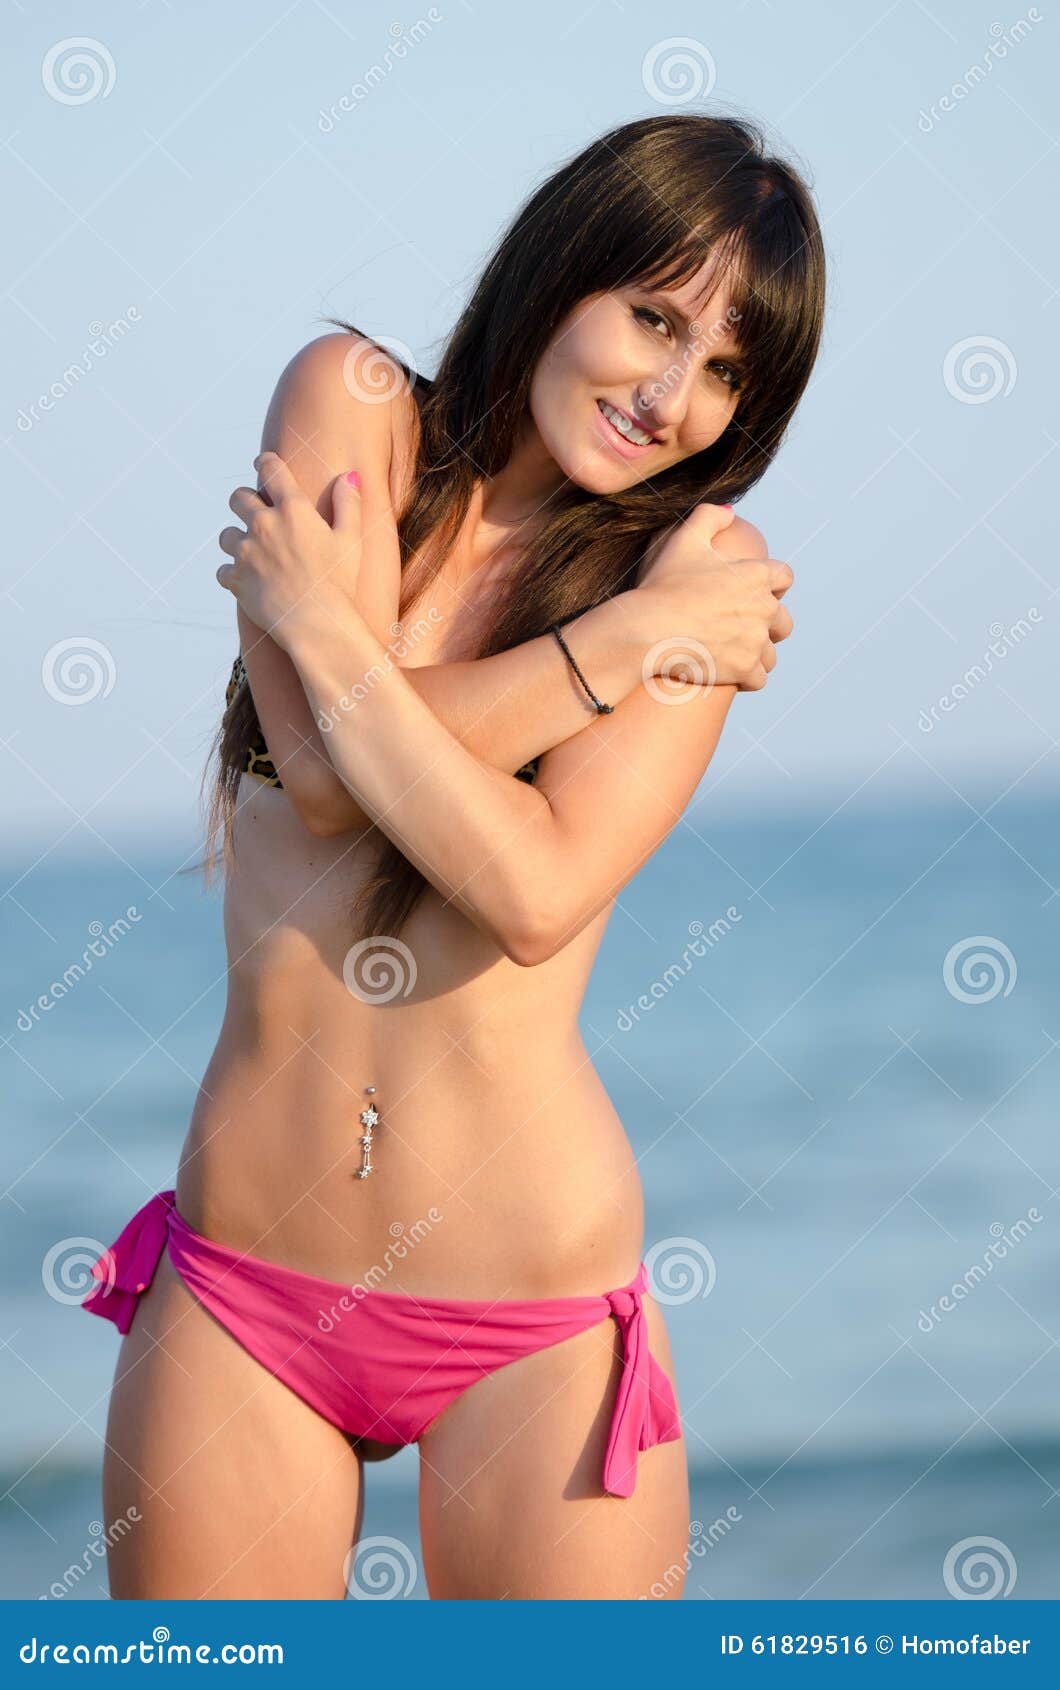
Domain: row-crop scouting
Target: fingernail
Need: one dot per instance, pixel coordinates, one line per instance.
(354, 479)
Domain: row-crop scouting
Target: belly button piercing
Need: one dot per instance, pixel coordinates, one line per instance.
(369, 1119)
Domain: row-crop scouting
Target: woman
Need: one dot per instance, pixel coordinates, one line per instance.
(406, 1209)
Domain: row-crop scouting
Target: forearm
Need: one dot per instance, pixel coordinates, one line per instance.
(463, 824)
(518, 703)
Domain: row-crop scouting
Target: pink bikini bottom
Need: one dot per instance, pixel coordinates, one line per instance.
(376, 1364)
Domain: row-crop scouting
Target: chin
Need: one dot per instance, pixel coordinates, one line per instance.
(600, 480)
(599, 474)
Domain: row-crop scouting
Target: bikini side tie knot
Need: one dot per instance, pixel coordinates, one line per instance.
(645, 1408)
(126, 1269)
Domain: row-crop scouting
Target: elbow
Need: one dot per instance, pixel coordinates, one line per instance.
(532, 936)
(321, 822)
(322, 811)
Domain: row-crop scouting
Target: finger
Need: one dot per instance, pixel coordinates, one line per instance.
(276, 478)
(246, 503)
(756, 679)
(782, 624)
(769, 656)
(225, 573)
(713, 519)
(229, 540)
(781, 575)
(346, 507)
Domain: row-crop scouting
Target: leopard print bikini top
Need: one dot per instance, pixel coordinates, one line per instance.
(260, 764)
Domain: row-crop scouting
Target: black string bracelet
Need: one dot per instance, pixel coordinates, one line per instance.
(601, 708)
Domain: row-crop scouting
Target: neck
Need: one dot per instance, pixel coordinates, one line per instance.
(524, 491)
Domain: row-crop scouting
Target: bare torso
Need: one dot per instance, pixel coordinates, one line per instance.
(501, 1166)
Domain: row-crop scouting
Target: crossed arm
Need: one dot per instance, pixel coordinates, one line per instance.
(506, 708)
(428, 754)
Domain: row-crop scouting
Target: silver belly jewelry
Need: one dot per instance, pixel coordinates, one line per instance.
(369, 1120)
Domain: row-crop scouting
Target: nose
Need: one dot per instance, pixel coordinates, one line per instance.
(668, 393)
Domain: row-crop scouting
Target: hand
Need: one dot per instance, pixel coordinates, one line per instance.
(715, 617)
(289, 562)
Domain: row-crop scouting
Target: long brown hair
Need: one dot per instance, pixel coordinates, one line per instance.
(649, 202)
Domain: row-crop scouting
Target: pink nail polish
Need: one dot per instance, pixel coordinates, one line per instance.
(354, 478)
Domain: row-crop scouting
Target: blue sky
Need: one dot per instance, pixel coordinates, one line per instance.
(180, 216)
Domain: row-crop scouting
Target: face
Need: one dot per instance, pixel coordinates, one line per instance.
(637, 379)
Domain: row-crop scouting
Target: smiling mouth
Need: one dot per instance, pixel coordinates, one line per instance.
(623, 426)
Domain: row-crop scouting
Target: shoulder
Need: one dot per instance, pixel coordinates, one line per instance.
(340, 375)
(346, 387)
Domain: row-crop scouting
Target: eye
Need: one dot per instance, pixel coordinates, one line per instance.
(645, 314)
(732, 378)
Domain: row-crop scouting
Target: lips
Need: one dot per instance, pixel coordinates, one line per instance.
(621, 427)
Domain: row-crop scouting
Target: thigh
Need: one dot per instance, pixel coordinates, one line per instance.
(511, 1499)
(228, 1484)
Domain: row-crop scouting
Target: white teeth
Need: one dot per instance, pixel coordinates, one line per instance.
(624, 426)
